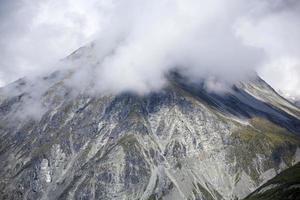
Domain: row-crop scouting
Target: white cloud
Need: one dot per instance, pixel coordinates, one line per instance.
(160, 35)
(138, 42)
(36, 34)
(277, 32)
(283, 74)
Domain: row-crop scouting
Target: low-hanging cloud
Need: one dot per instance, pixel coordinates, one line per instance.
(275, 28)
(136, 43)
(142, 42)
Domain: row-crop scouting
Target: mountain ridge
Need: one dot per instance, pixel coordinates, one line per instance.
(180, 142)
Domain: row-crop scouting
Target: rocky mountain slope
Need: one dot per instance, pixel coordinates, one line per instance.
(297, 103)
(284, 186)
(181, 142)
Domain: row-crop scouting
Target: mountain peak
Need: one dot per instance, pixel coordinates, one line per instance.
(182, 141)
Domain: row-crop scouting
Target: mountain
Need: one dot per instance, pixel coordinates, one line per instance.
(181, 142)
(297, 103)
(294, 99)
(284, 186)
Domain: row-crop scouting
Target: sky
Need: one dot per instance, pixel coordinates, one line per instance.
(137, 42)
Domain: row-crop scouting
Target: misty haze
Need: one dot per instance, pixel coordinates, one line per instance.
(150, 100)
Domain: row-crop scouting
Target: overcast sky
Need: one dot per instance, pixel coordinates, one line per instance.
(225, 39)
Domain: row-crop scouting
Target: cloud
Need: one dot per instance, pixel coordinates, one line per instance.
(136, 43)
(152, 38)
(275, 28)
(36, 34)
(283, 74)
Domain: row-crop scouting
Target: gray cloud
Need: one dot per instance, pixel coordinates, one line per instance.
(36, 34)
(275, 28)
(137, 43)
(150, 39)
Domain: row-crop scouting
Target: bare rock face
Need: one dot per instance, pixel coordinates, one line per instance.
(181, 142)
(297, 103)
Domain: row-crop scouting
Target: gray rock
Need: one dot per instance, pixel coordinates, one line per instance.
(178, 143)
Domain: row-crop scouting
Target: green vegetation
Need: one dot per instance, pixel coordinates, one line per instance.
(262, 137)
(291, 175)
(45, 147)
(152, 197)
(128, 142)
(285, 186)
(260, 128)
